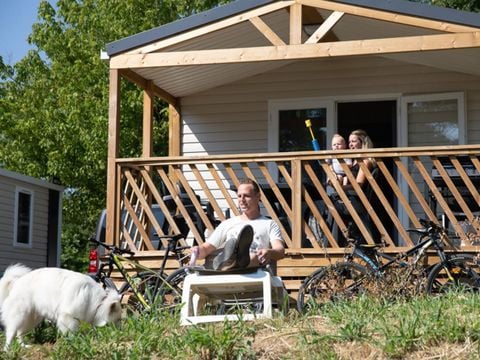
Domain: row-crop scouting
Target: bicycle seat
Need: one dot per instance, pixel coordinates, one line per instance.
(370, 246)
(422, 231)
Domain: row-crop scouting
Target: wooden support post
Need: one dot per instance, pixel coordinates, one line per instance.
(174, 130)
(147, 149)
(297, 219)
(295, 24)
(113, 146)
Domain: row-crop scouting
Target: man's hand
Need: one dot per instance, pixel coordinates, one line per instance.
(264, 256)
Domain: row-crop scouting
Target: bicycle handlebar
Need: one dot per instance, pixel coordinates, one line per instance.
(429, 227)
(112, 248)
(432, 228)
(430, 224)
(173, 237)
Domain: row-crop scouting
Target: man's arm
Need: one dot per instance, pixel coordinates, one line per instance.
(266, 256)
(278, 250)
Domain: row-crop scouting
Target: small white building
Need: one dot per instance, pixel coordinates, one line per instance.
(30, 221)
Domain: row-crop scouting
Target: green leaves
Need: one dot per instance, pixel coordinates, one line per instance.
(54, 103)
(467, 5)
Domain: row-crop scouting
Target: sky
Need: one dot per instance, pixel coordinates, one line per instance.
(16, 20)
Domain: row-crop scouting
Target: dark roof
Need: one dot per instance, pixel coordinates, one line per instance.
(188, 23)
(239, 6)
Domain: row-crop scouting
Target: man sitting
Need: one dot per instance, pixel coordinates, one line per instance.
(247, 240)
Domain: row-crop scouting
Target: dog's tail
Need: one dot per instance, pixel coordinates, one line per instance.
(12, 273)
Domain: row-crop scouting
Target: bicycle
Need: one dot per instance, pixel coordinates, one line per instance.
(147, 288)
(347, 279)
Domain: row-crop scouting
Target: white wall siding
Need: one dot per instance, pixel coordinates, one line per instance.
(9, 254)
(234, 118)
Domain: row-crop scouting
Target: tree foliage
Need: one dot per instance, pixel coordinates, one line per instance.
(54, 103)
(467, 5)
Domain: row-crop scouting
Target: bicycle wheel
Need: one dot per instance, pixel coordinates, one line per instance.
(141, 292)
(342, 280)
(170, 291)
(460, 271)
(104, 280)
(108, 283)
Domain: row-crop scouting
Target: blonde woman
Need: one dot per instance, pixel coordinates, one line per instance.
(358, 139)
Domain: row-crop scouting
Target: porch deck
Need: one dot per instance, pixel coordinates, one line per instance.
(194, 193)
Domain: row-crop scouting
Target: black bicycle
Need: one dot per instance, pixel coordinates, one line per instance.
(146, 288)
(366, 268)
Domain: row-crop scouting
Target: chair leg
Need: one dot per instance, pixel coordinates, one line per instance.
(267, 296)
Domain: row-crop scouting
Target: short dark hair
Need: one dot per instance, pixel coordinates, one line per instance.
(248, 181)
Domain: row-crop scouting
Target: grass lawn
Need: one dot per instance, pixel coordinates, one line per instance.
(446, 327)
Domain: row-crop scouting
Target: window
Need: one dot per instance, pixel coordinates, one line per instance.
(435, 119)
(23, 217)
(430, 120)
(287, 130)
(293, 134)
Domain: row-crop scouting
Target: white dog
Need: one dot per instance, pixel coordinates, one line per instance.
(64, 297)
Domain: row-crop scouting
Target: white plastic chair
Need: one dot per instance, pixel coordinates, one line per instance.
(206, 297)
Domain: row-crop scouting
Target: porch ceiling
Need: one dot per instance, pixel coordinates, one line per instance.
(185, 77)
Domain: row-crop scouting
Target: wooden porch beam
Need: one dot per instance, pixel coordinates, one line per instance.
(147, 148)
(267, 31)
(388, 16)
(113, 146)
(295, 24)
(146, 84)
(174, 131)
(207, 29)
(297, 192)
(302, 51)
(326, 26)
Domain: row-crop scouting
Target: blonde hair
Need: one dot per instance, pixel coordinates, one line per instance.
(367, 143)
(338, 136)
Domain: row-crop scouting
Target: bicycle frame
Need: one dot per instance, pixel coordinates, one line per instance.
(430, 239)
(119, 261)
(365, 263)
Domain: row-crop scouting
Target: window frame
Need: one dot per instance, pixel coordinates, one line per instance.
(459, 96)
(22, 190)
(461, 113)
(277, 105)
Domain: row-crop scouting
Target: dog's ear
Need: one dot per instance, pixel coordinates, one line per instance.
(115, 309)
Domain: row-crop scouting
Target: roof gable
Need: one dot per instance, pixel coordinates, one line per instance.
(185, 24)
(248, 37)
(219, 13)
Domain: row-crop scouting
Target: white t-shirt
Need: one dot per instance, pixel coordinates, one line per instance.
(265, 230)
(337, 168)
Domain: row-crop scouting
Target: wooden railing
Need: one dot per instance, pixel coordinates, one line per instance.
(195, 193)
